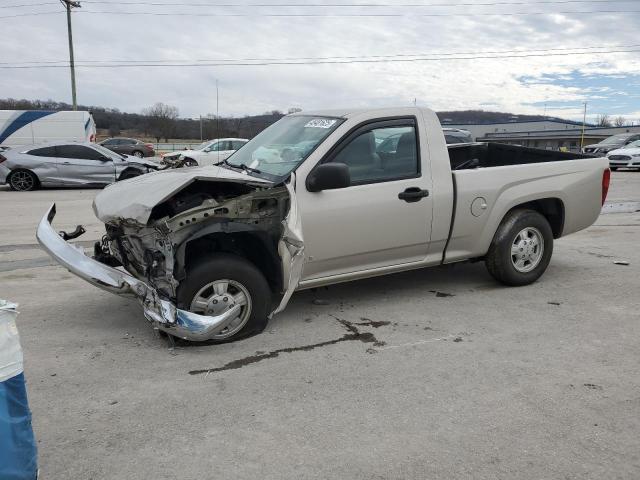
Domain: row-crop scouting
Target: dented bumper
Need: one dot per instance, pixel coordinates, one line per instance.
(162, 313)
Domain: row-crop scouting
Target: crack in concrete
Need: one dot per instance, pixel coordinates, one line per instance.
(354, 335)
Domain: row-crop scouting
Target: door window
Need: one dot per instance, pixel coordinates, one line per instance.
(78, 152)
(381, 154)
(236, 144)
(43, 152)
(110, 142)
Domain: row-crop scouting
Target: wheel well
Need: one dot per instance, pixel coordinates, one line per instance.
(128, 170)
(550, 208)
(257, 247)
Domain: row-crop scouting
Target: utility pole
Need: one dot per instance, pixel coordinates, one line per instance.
(69, 4)
(584, 122)
(201, 128)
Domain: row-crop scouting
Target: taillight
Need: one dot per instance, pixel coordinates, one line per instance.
(149, 146)
(606, 180)
(2, 159)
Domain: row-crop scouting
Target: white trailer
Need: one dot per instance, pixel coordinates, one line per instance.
(26, 127)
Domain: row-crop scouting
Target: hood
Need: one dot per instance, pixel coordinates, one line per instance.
(135, 198)
(133, 160)
(625, 151)
(606, 146)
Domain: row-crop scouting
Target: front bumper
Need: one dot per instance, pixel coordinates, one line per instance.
(162, 313)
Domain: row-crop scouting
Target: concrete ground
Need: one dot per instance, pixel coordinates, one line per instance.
(449, 376)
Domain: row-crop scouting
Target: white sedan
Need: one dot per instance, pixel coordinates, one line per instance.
(626, 157)
(210, 152)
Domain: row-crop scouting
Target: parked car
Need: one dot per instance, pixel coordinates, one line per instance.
(625, 157)
(210, 152)
(20, 128)
(67, 164)
(612, 143)
(129, 146)
(213, 252)
(456, 135)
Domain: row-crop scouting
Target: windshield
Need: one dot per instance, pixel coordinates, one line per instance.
(635, 144)
(278, 150)
(616, 139)
(203, 145)
(108, 153)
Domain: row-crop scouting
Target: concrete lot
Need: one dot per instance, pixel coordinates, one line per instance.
(467, 379)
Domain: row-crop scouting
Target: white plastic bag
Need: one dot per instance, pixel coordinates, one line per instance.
(10, 350)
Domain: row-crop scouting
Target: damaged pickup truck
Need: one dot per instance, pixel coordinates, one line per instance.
(326, 197)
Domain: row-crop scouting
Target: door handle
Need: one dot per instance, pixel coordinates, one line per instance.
(413, 194)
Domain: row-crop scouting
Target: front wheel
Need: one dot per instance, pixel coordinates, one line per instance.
(23, 180)
(521, 248)
(221, 282)
(189, 162)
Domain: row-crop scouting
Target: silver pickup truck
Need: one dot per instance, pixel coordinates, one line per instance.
(326, 197)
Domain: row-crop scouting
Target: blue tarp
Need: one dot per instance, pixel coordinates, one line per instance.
(17, 443)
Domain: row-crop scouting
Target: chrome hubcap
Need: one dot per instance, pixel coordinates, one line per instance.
(527, 249)
(217, 297)
(22, 181)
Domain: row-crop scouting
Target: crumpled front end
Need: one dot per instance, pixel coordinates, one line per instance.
(161, 312)
(148, 254)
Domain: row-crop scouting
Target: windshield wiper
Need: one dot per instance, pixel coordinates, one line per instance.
(242, 166)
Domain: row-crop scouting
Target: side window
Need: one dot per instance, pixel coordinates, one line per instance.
(450, 139)
(381, 154)
(127, 141)
(43, 152)
(77, 151)
(236, 144)
(110, 142)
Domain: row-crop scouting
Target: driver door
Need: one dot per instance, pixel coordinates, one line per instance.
(79, 164)
(383, 218)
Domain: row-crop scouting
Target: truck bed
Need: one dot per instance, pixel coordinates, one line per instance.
(482, 155)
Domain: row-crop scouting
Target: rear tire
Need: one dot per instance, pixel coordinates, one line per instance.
(218, 280)
(138, 153)
(521, 248)
(23, 180)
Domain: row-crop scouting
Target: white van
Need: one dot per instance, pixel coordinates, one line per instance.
(26, 127)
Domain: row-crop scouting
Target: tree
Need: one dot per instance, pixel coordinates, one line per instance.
(603, 120)
(162, 120)
(294, 110)
(620, 121)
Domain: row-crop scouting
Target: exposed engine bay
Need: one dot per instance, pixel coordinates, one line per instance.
(205, 217)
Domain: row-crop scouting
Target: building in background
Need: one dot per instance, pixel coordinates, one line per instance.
(548, 134)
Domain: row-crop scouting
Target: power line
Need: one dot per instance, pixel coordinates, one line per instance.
(324, 62)
(353, 5)
(336, 57)
(334, 15)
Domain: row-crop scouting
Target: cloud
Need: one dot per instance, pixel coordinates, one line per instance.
(520, 85)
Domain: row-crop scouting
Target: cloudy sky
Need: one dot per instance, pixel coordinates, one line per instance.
(430, 50)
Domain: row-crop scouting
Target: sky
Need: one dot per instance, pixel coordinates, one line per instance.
(430, 48)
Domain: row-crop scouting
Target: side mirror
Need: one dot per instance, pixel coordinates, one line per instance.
(328, 176)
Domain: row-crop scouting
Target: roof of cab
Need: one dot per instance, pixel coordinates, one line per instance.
(349, 112)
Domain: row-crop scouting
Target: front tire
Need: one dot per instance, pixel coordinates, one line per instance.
(222, 281)
(521, 248)
(23, 181)
(189, 162)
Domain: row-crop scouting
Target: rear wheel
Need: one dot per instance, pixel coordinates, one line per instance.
(521, 248)
(138, 153)
(23, 180)
(221, 282)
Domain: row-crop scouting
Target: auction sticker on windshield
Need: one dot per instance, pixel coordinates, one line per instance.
(320, 123)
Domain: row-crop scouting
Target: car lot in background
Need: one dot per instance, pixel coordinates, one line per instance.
(129, 146)
(210, 152)
(67, 164)
(625, 157)
(611, 143)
